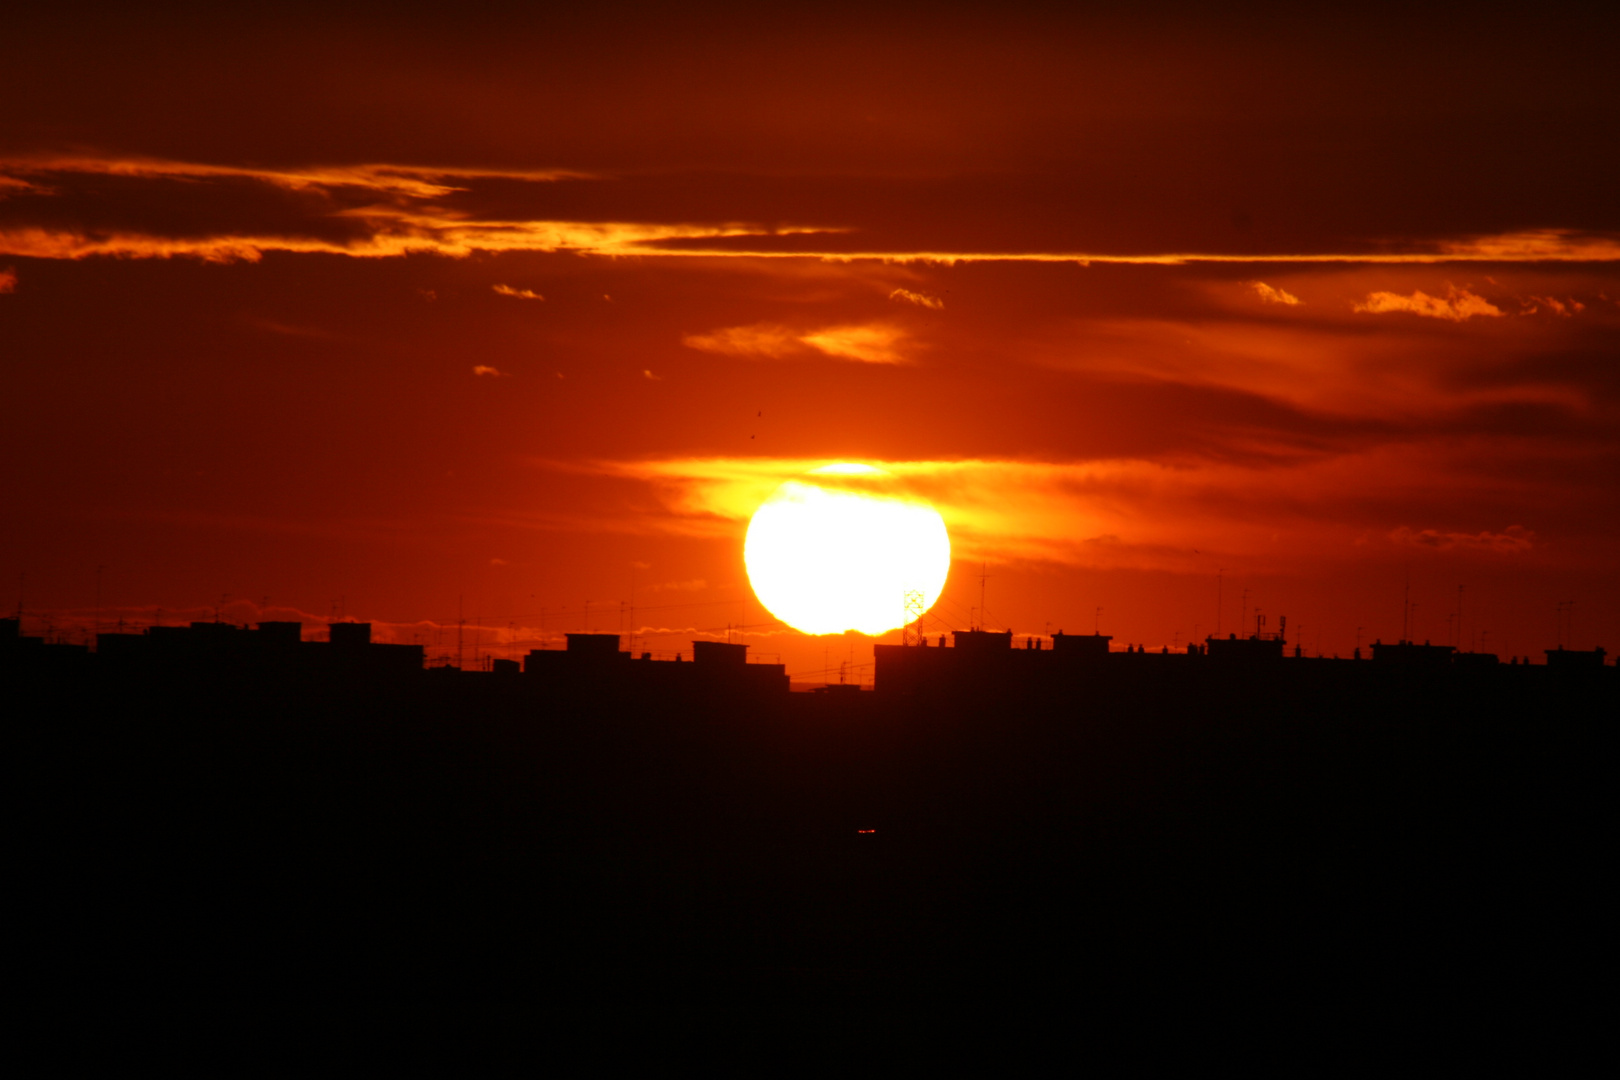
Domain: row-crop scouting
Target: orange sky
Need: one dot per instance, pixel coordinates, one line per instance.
(407, 313)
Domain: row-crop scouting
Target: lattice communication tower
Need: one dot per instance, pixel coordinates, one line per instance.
(914, 616)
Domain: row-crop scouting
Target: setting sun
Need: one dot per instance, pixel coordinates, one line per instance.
(838, 549)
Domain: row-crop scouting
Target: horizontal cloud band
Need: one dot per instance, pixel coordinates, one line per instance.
(380, 211)
(1108, 514)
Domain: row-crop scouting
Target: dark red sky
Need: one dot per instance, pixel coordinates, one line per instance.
(420, 309)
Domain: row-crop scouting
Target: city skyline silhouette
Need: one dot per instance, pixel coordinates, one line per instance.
(424, 430)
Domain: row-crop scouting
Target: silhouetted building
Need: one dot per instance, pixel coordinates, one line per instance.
(598, 645)
(1087, 646)
(1411, 654)
(982, 640)
(1256, 648)
(12, 638)
(719, 652)
(288, 633)
(1563, 658)
(982, 659)
(276, 647)
(348, 635)
(594, 662)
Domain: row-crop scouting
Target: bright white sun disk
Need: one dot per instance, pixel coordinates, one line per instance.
(830, 552)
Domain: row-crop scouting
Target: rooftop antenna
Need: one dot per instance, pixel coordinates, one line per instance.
(984, 576)
(1096, 622)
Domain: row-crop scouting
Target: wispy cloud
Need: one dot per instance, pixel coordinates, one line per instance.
(920, 299)
(290, 330)
(379, 210)
(485, 369)
(521, 294)
(646, 373)
(1530, 305)
(1458, 305)
(1513, 540)
(389, 233)
(367, 211)
(414, 180)
(694, 585)
(1274, 296)
(760, 339)
(8, 280)
(871, 343)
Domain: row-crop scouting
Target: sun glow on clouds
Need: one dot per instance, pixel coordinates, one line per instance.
(1123, 514)
(1274, 296)
(920, 299)
(872, 343)
(1458, 305)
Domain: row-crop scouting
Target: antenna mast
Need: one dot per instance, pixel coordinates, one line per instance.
(984, 576)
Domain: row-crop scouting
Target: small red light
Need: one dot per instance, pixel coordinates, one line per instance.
(865, 831)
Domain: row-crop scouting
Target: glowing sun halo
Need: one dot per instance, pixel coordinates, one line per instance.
(835, 550)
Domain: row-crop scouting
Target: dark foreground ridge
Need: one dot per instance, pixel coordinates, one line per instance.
(228, 814)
